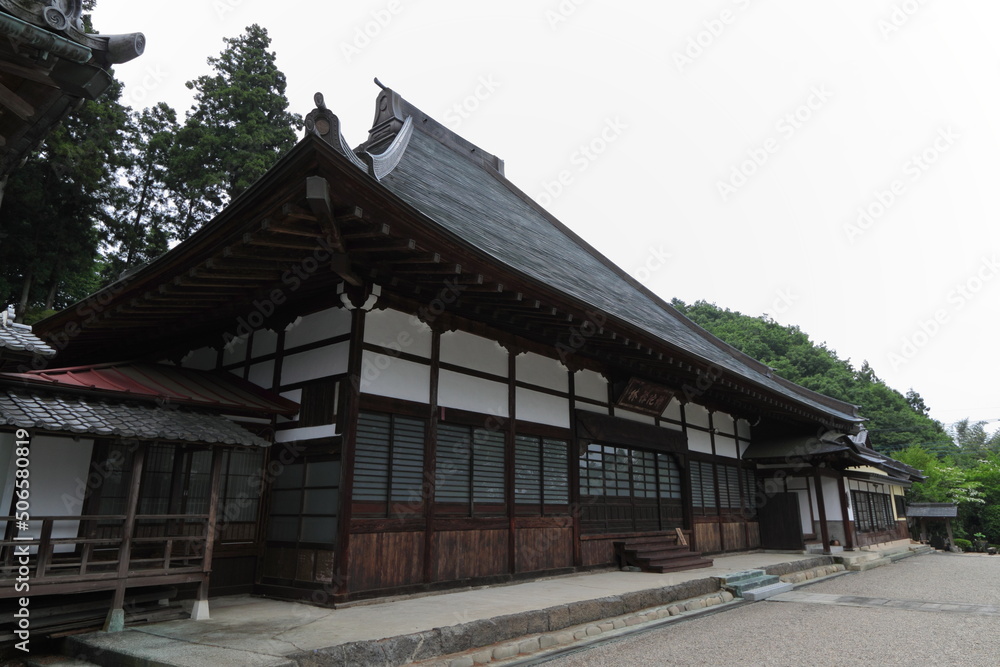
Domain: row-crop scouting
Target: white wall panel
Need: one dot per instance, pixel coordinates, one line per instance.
(634, 416)
(262, 374)
(398, 331)
(235, 351)
(395, 378)
(534, 406)
(294, 395)
(265, 342)
(59, 470)
(456, 390)
(589, 407)
(307, 433)
(723, 423)
(592, 385)
(542, 371)
(725, 446)
(471, 351)
(831, 499)
(315, 364)
(203, 359)
(699, 441)
(744, 428)
(318, 326)
(673, 410)
(696, 415)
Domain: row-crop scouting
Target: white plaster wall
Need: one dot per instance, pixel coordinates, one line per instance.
(471, 351)
(592, 385)
(457, 390)
(395, 378)
(313, 364)
(306, 433)
(699, 441)
(723, 423)
(398, 331)
(265, 342)
(725, 446)
(673, 410)
(542, 371)
(804, 513)
(534, 406)
(294, 395)
(831, 499)
(235, 351)
(744, 445)
(696, 415)
(203, 359)
(744, 428)
(589, 407)
(262, 374)
(634, 416)
(318, 326)
(58, 469)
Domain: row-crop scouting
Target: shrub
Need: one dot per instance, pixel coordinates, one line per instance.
(964, 545)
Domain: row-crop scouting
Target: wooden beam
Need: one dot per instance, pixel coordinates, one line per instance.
(21, 108)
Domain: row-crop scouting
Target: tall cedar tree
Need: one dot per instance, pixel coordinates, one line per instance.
(139, 216)
(53, 205)
(237, 128)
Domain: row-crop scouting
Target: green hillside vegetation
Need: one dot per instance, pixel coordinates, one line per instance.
(895, 421)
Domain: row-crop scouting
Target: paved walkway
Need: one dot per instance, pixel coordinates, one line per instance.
(260, 632)
(251, 631)
(911, 605)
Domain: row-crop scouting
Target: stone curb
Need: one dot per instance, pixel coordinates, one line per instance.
(812, 573)
(453, 640)
(581, 635)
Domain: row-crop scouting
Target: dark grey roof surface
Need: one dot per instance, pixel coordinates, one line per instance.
(72, 414)
(486, 211)
(18, 337)
(931, 510)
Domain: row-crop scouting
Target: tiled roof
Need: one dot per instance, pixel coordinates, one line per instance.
(218, 391)
(82, 415)
(483, 208)
(18, 338)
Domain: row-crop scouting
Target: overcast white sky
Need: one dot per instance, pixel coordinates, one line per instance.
(732, 144)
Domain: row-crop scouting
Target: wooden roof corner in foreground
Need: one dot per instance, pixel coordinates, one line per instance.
(48, 66)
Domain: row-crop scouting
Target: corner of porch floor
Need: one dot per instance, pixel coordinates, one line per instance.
(264, 632)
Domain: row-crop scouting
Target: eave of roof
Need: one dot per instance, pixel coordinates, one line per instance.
(160, 384)
(60, 413)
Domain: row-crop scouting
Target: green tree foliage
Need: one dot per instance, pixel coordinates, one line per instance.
(139, 221)
(895, 421)
(237, 128)
(53, 205)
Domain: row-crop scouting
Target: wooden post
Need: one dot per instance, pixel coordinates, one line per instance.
(947, 527)
(199, 612)
(352, 405)
(821, 506)
(848, 532)
(115, 621)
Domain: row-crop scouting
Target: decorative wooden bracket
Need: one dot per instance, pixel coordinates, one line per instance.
(318, 196)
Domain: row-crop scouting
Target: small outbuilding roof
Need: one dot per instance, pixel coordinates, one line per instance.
(932, 510)
(19, 338)
(94, 416)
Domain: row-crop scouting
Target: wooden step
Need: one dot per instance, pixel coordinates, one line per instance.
(660, 554)
(678, 565)
(631, 541)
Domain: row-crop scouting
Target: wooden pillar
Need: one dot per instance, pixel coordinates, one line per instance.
(352, 407)
(923, 530)
(430, 457)
(200, 610)
(115, 622)
(510, 469)
(947, 527)
(848, 532)
(821, 506)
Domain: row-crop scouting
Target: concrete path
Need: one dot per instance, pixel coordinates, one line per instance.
(251, 631)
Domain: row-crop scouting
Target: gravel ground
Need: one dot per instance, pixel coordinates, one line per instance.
(936, 577)
(783, 633)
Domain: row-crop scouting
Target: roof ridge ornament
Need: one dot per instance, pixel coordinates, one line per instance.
(381, 165)
(324, 123)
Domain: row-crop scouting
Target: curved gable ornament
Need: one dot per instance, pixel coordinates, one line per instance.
(324, 123)
(381, 165)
